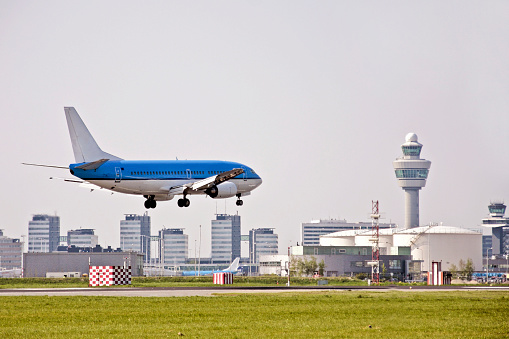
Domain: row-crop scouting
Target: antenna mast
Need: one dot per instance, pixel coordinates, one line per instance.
(375, 252)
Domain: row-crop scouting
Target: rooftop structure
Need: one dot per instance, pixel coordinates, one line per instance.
(411, 172)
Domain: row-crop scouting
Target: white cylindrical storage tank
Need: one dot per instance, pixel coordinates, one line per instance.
(444, 244)
(339, 241)
(364, 238)
(341, 238)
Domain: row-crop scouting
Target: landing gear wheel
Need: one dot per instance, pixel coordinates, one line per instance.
(150, 202)
(240, 202)
(183, 202)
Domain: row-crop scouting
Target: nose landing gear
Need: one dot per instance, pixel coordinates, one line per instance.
(239, 201)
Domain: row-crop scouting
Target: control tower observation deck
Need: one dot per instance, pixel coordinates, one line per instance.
(411, 172)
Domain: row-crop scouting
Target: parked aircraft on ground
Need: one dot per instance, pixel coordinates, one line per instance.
(233, 268)
(156, 180)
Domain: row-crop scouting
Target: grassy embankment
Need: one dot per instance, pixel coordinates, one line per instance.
(346, 314)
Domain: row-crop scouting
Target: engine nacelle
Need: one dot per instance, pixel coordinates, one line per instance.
(223, 190)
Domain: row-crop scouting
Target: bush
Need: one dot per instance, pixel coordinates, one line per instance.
(361, 276)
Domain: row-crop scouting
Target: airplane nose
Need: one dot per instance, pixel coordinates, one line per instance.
(259, 182)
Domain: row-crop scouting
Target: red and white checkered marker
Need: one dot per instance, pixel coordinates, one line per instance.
(223, 278)
(109, 275)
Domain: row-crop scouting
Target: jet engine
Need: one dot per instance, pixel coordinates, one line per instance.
(223, 190)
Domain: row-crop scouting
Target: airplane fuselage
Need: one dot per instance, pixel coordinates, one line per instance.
(159, 178)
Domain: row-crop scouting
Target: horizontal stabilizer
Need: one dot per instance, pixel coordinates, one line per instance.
(68, 180)
(82, 183)
(92, 165)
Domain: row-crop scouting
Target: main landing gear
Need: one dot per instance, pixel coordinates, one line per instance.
(183, 202)
(150, 202)
(239, 201)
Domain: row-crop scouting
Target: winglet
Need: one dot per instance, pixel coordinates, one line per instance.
(83, 144)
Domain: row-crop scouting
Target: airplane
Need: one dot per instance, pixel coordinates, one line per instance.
(155, 180)
(233, 268)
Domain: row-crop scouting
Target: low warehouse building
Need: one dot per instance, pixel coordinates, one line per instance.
(38, 264)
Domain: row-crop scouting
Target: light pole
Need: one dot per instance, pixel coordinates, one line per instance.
(144, 246)
(23, 236)
(199, 255)
(506, 267)
(487, 263)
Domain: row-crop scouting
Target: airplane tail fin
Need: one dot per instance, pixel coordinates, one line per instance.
(234, 266)
(83, 144)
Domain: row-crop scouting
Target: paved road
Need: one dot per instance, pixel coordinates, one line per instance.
(211, 291)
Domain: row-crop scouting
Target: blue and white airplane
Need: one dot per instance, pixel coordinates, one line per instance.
(156, 180)
(233, 268)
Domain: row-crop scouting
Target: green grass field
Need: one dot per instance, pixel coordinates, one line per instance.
(344, 314)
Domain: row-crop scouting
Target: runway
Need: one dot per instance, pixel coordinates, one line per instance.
(214, 291)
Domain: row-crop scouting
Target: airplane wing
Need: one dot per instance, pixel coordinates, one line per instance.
(216, 179)
(205, 183)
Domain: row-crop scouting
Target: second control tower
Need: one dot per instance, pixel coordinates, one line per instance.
(411, 172)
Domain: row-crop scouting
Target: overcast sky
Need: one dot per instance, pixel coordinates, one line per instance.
(317, 97)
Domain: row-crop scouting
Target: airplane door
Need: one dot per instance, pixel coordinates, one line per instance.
(188, 173)
(118, 174)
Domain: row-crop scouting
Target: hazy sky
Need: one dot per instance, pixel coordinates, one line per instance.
(317, 97)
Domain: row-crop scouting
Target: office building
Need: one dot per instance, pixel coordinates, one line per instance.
(499, 226)
(43, 233)
(82, 237)
(411, 172)
(225, 238)
(173, 246)
(11, 252)
(312, 231)
(348, 260)
(135, 234)
(262, 241)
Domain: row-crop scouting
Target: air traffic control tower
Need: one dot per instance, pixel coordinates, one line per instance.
(499, 225)
(411, 172)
